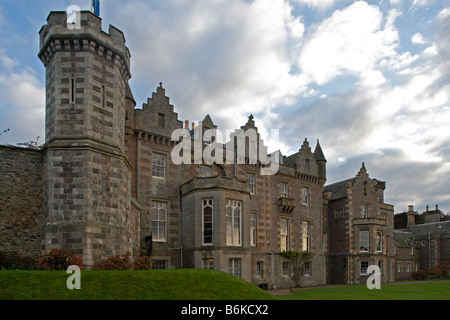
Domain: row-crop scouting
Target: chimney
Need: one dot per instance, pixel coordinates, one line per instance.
(186, 124)
(427, 208)
(437, 208)
(410, 217)
(193, 125)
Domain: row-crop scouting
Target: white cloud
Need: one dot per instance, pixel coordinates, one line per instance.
(23, 104)
(417, 38)
(352, 41)
(317, 4)
(233, 57)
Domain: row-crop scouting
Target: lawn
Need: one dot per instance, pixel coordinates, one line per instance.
(435, 290)
(190, 284)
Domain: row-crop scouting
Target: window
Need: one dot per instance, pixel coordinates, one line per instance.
(251, 182)
(307, 269)
(260, 269)
(305, 195)
(208, 136)
(208, 263)
(284, 232)
(233, 223)
(159, 221)
(159, 264)
(364, 210)
(380, 265)
(407, 267)
(364, 267)
(72, 90)
(161, 120)
(253, 229)
(286, 268)
(234, 267)
(284, 190)
(207, 222)
(205, 171)
(159, 166)
(306, 235)
(364, 241)
(399, 267)
(379, 241)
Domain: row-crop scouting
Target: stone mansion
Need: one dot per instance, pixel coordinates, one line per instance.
(105, 183)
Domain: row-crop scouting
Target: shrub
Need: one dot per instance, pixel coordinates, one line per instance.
(143, 263)
(58, 259)
(419, 275)
(123, 262)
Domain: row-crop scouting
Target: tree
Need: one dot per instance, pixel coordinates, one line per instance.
(298, 260)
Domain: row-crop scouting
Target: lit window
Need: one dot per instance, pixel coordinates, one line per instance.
(306, 234)
(284, 233)
(233, 222)
(208, 263)
(253, 229)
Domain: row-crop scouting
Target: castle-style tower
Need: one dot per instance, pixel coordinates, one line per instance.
(87, 176)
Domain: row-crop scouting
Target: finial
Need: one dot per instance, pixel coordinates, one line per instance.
(160, 84)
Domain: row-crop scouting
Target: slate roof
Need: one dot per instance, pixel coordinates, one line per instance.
(339, 189)
(438, 228)
(404, 239)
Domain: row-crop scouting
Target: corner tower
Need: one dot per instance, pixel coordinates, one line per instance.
(87, 176)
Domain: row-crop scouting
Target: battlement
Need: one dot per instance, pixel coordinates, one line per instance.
(57, 36)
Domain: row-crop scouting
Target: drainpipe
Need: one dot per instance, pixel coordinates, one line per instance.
(429, 250)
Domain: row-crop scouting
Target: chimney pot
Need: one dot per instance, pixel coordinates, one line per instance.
(411, 208)
(186, 124)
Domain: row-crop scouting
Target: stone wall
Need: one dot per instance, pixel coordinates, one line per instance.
(21, 201)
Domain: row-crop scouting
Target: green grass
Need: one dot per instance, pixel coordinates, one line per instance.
(436, 290)
(188, 284)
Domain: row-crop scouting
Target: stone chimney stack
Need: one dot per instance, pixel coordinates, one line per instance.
(410, 217)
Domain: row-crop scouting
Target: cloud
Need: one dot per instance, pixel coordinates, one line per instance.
(352, 41)
(23, 103)
(417, 38)
(317, 4)
(233, 57)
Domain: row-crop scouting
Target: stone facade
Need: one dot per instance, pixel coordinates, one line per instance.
(106, 182)
(360, 229)
(22, 201)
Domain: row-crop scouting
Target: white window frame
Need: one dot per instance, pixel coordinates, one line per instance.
(235, 267)
(233, 222)
(158, 169)
(364, 241)
(160, 223)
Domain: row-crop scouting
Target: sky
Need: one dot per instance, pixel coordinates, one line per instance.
(369, 79)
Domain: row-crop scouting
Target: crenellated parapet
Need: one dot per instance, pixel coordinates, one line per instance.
(57, 36)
